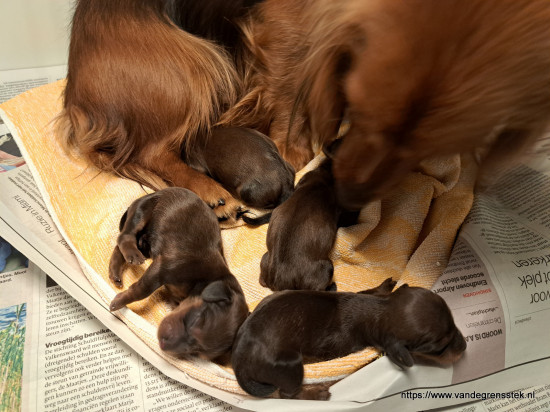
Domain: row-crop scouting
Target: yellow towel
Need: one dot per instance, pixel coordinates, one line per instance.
(408, 236)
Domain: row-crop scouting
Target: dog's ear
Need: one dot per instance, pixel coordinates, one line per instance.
(216, 292)
(399, 354)
(194, 319)
(323, 76)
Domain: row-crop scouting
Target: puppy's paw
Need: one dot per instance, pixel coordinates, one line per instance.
(115, 278)
(117, 303)
(134, 257)
(314, 392)
(387, 285)
(116, 265)
(128, 248)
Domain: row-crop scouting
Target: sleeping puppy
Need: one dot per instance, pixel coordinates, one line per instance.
(418, 78)
(302, 233)
(409, 324)
(181, 234)
(245, 162)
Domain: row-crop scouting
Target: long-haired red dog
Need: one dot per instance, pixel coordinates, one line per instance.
(416, 78)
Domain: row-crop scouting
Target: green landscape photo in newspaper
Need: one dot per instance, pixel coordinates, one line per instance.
(12, 340)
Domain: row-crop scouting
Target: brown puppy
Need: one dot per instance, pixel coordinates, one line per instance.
(182, 236)
(301, 235)
(418, 78)
(246, 163)
(288, 326)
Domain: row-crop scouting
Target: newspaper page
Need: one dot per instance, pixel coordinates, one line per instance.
(14, 82)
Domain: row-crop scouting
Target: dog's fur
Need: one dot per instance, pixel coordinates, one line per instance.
(181, 234)
(301, 235)
(408, 324)
(245, 162)
(418, 78)
(139, 89)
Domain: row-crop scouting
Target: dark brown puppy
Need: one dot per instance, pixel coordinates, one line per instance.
(301, 235)
(182, 236)
(245, 162)
(410, 324)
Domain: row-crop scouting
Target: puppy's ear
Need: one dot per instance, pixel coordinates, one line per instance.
(216, 292)
(194, 319)
(122, 220)
(399, 354)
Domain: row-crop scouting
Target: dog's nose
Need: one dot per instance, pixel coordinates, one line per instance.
(165, 335)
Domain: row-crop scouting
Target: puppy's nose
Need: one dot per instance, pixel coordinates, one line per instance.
(165, 334)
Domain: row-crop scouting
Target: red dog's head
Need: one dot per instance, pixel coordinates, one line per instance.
(426, 78)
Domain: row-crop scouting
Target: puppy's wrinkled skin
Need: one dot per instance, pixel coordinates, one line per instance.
(288, 326)
(245, 162)
(181, 234)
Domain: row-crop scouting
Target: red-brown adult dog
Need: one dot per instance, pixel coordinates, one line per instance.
(417, 77)
(139, 88)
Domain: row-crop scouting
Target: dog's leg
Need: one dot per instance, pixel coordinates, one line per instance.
(384, 289)
(137, 216)
(264, 271)
(171, 168)
(147, 284)
(115, 267)
(288, 373)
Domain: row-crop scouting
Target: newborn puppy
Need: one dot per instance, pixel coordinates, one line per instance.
(301, 235)
(181, 234)
(246, 163)
(286, 327)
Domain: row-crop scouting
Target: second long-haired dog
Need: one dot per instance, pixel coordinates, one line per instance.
(417, 78)
(287, 327)
(181, 234)
(139, 88)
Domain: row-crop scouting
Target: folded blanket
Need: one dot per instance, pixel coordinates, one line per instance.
(407, 236)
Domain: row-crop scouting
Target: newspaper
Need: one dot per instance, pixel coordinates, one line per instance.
(497, 284)
(14, 82)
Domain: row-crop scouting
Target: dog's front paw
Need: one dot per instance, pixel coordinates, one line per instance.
(135, 257)
(225, 206)
(230, 212)
(127, 244)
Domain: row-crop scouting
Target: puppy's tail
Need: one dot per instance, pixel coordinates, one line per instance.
(256, 221)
